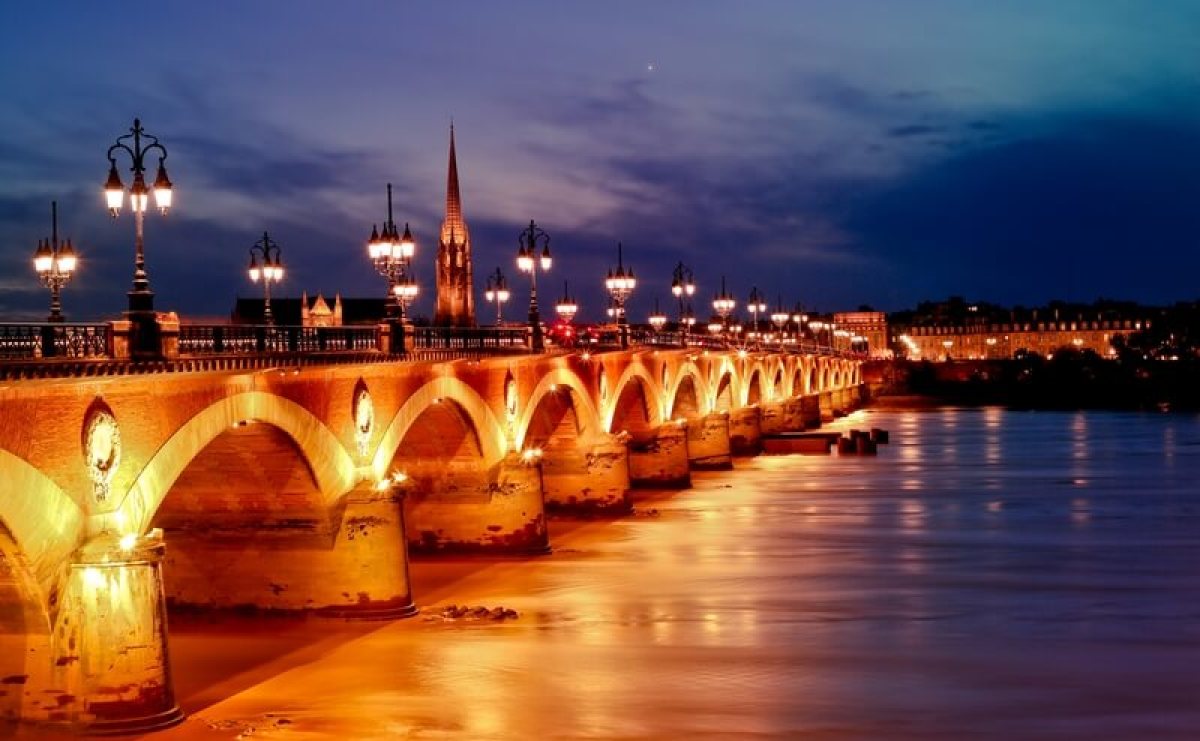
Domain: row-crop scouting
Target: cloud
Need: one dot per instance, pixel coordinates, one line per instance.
(900, 132)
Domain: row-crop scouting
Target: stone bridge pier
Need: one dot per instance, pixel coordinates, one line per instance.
(585, 469)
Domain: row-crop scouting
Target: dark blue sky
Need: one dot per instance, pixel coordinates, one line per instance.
(832, 153)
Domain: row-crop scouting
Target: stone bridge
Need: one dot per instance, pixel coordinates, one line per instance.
(306, 487)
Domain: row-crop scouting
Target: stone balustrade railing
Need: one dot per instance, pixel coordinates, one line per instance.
(102, 348)
(54, 340)
(237, 339)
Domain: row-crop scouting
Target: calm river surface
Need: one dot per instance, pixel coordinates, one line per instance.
(990, 574)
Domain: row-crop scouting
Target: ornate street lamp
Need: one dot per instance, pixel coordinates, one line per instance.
(683, 287)
(141, 298)
(816, 326)
(55, 264)
(392, 255)
(756, 306)
(404, 291)
(529, 261)
(723, 304)
(780, 317)
(658, 320)
(497, 292)
(799, 319)
(566, 308)
(270, 271)
(619, 285)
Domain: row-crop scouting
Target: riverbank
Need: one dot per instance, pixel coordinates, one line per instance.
(1067, 381)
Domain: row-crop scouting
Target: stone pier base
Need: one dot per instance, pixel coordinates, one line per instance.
(661, 462)
(708, 442)
(355, 566)
(745, 431)
(771, 421)
(792, 416)
(591, 481)
(110, 673)
(500, 511)
(810, 410)
(828, 411)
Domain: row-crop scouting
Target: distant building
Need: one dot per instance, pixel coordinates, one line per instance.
(455, 284)
(1007, 339)
(314, 312)
(864, 329)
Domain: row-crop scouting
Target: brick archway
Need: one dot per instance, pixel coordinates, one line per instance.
(688, 372)
(723, 393)
(652, 395)
(46, 525)
(588, 417)
(685, 399)
(754, 388)
(487, 426)
(332, 467)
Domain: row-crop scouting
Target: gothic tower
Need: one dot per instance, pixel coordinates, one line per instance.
(455, 287)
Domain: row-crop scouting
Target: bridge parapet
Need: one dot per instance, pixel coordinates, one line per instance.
(61, 350)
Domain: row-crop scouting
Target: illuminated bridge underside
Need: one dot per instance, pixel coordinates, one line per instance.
(306, 488)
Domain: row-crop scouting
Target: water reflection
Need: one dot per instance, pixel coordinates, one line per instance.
(911, 595)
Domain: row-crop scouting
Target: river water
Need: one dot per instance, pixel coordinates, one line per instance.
(990, 574)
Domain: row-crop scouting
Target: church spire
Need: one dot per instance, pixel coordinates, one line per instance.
(454, 215)
(455, 283)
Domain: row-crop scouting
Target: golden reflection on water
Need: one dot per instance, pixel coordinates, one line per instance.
(912, 514)
(797, 597)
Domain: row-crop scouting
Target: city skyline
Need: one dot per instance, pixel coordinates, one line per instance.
(864, 154)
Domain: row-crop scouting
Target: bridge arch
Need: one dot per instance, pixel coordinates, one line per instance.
(723, 393)
(43, 524)
(332, 467)
(486, 426)
(587, 417)
(688, 395)
(634, 381)
(753, 388)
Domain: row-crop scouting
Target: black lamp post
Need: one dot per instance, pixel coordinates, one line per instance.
(683, 286)
(497, 292)
(392, 255)
(270, 271)
(756, 306)
(658, 320)
(620, 285)
(55, 264)
(566, 308)
(724, 304)
(529, 261)
(141, 298)
(780, 318)
(799, 319)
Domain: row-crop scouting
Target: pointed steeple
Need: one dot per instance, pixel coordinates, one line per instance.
(453, 226)
(455, 284)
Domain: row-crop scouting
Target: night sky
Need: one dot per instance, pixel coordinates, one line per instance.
(834, 154)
